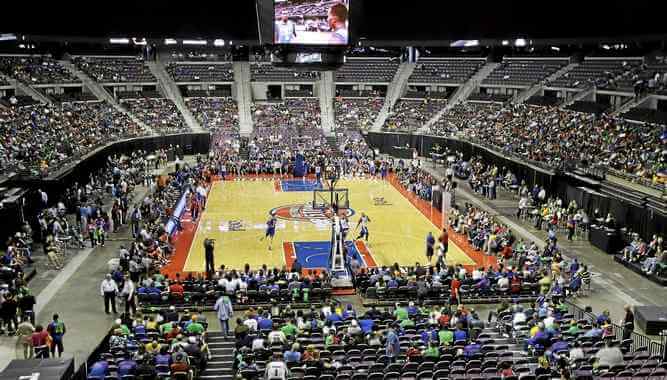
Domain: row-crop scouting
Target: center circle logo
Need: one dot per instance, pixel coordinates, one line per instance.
(305, 213)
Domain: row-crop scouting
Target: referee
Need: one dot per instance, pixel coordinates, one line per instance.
(209, 248)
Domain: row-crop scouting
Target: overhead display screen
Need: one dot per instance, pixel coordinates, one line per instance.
(311, 22)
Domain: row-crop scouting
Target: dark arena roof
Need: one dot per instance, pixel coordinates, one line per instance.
(333, 189)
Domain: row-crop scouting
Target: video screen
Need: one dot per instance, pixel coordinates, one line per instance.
(311, 22)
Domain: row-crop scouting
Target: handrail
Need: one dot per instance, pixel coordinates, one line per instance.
(638, 340)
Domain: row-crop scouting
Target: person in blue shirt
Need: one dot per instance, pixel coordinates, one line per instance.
(483, 285)
(349, 312)
(412, 309)
(541, 338)
(99, 370)
(163, 358)
(293, 355)
(430, 244)
(430, 335)
(471, 349)
(602, 318)
(126, 367)
(140, 331)
(264, 322)
(393, 345)
(460, 333)
(333, 317)
(366, 325)
(594, 332)
(392, 283)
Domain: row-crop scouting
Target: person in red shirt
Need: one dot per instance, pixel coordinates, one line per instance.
(506, 253)
(176, 288)
(454, 288)
(40, 342)
(444, 238)
(444, 319)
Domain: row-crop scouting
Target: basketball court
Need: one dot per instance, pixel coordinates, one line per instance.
(237, 211)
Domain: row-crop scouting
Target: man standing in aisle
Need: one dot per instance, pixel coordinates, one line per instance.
(108, 290)
(224, 309)
(57, 330)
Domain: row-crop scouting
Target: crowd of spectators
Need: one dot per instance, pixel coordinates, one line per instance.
(554, 137)
(409, 115)
(651, 256)
(160, 114)
(299, 9)
(115, 69)
(152, 346)
(184, 72)
(296, 113)
(35, 70)
(268, 73)
(42, 137)
(356, 113)
(215, 113)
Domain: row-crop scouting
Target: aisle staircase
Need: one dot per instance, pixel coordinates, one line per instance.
(394, 92)
(222, 357)
(171, 91)
(22, 88)
(630, 104)
(332, 141)
(529, 92)
(243, 96)
(102, 94)
(579, 96)
(462, 93)
(244, 150)
(327, 92)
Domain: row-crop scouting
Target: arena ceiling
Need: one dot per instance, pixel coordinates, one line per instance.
(377, 19)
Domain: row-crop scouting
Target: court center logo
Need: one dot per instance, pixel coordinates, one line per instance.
(305, 213)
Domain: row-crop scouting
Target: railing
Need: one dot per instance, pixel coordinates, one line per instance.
(652, 346)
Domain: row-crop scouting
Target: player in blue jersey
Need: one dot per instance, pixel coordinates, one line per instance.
(270, 230)
(363, 223)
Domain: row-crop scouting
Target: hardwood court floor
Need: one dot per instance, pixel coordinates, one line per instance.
(397, 230)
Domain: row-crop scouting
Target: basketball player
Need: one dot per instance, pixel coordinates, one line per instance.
(344, 226)
(270, 230)
(430, 244)
(318, 173)
(384, 170)
(363, 222)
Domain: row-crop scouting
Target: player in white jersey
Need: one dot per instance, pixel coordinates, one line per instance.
(344, 226)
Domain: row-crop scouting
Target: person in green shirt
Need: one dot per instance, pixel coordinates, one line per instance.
(574, 328)
(407, 323)
(195, 327)
(545, 283)
(401, 313)
(446, 337)
(289, 329)
(165, 328)
(125, 331)
(431, 351)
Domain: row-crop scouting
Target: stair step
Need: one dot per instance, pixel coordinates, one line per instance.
(221, 377)
(221, 344)
(217, 371)
(218, 365)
